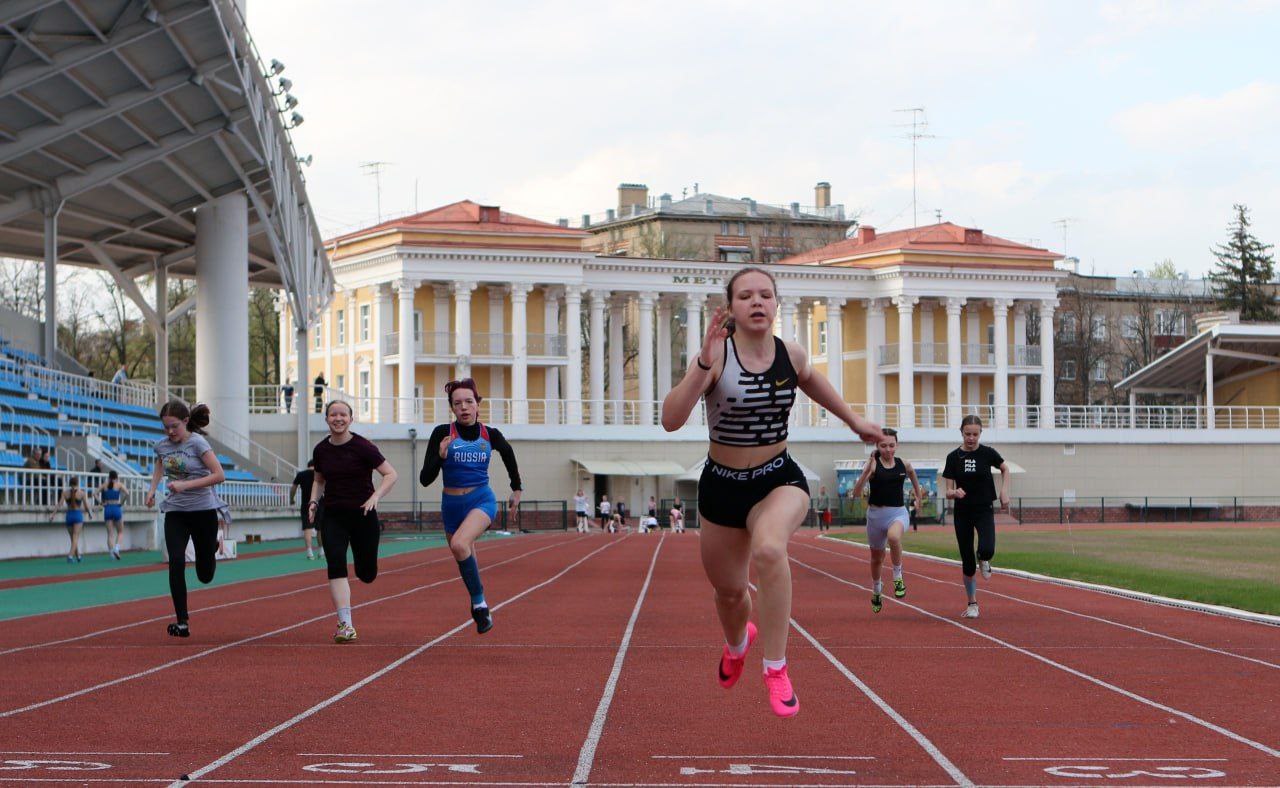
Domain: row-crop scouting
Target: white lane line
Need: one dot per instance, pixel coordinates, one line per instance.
(243, 641)
(1099, 619)
(1162, 760)
(1274, 753)
(332, 699)
(511, 783)
(406, 755)
(587, 755)
(776, 757)
(51, 752)
(928, 746)
(168, 617)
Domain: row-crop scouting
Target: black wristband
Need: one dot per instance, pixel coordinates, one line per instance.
(700, 364)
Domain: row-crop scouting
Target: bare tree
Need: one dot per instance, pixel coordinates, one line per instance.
(264, 337)
(1083, 342)
(22, 286)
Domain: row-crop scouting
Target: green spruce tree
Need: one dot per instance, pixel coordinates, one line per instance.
(1244, 273)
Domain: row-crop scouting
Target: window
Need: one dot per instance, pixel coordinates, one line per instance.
(317, 336)
(342, 383)
(724, 228)
(417, 326)
(1069, 326)
(364, 390)
(991, 335)
(1100, 371)
(1129, 325)
(742, 228)
(822, 337)
(1098, 329)
(364, 323)
(342, 327)
(1130, 367)
(734, 257)
(1171, 323)
(1068, 370)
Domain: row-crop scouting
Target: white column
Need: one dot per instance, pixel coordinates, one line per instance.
(408, 352)
(520, 353)
(1000, 313)
(1210, 419)
(1133, 407)
(617, 313)
(875, 338)
(222, 310)
(906, 361)
(440, 342)
(924, 416)
(162, 334)
(804, 313)
(974, 340)
(462, 327)
(787, 314)
(954, 401)
(644, 358)
(1020, 346)
(835, 343)
(1047, 371)
(693, 332)
(302, 395)
(381, 372)
(596, 354)
(550, 329)
(49, 344)
(497, 324)
(353, 327)
(664, 348)
(573, 346)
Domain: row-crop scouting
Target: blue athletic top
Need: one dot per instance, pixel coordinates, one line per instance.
(110, 495)
(466, 462)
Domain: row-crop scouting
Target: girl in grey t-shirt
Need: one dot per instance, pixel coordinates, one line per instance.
(190, 466)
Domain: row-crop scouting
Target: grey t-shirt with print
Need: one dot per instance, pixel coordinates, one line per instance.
(182, 462)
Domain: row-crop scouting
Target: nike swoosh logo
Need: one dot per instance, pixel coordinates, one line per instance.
(720, 670)
(790, 703)
(782, 382)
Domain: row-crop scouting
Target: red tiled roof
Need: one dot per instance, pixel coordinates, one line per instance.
(470, 217)
(945, 237)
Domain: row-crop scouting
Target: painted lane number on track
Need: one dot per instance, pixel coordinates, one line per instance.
(1080, 771)
(749, 769)
(24, 764)
(351, 767)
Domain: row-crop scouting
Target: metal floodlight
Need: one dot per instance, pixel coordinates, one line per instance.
(295, 120)
(306, 160)
(150, 14)
(290, 101)
(276, 67)
(286, 85)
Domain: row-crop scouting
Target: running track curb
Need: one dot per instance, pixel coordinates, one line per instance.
(1141, 596)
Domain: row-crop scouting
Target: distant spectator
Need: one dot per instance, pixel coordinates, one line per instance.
(112, 495)
(77, 504)
(581, 509)
(97, 466)
(287, 390)
(606, 512)
(677, 520)
(120, 377)
(46, 480)
(620, 509)
(822, 505)
(318, 391)
(303, 481)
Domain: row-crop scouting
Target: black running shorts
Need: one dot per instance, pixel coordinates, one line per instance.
(727, 495)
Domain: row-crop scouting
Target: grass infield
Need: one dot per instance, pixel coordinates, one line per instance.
(1219, 566)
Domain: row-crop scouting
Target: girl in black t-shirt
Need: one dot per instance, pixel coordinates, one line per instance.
(969, 484)
(344, 466)
(887, 517)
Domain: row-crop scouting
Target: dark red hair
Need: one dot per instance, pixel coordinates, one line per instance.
(465, 383)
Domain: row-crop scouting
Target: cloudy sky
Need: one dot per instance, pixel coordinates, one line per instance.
(1139, 122)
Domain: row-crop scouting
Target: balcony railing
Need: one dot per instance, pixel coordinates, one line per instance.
(926, 353)
(430, 343)
(444, 343)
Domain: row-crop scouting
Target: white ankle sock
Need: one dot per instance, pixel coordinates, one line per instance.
(775, 664)
(740, 649)
(877, 587)
(897, 571)
(344, 615)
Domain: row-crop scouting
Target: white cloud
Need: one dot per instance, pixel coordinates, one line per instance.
(1247, 116)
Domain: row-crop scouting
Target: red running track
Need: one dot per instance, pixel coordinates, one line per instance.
(600, 670)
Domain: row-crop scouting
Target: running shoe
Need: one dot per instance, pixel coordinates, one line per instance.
(985, 566)
(730, 669)
(79, 559)
(484, 619)
(115, 554)
(179, 630)
(899, 588)
(781, 695)
(70, 560)
(311, 556)
(875, 603)
(345, 634)
(971, 611)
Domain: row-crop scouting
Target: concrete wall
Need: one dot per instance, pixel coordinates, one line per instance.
(25, 536)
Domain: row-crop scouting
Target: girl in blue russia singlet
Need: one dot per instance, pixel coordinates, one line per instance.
(461, 451)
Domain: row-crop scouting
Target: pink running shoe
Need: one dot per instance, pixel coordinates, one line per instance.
(781, 696)
(731, 666)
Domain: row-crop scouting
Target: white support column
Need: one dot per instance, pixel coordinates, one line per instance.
(664, 348)
(353, 327)
(496, 332)
(462, 327)
(1210, 419)
(162, 334)
(1047, 371)
(835, 343)
(787, 314)
(302, 395)
(1133, 407)
(874, 326)
(906, 361)
(573, 346)
(222, 310)
(804, 314)
(440, 342)
(617, 314)
(644, 358)
(974, 340)
(596, 354)
(928, 355)
(550, 329)
(1020, 379)
(408, 352)
(49, 345)
(693, 332)
(955, 409)
(381, 372)
(1000, 314)
(520, 352)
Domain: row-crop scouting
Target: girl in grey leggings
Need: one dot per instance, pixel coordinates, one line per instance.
(887, 516)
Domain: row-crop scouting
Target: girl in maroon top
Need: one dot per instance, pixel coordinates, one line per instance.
(344, 466)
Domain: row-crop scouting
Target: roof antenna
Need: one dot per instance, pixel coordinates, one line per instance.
(375, 168)
(918, 126)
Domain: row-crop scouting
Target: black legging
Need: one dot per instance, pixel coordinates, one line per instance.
(967, 521)
(202, 529)
(340, 527)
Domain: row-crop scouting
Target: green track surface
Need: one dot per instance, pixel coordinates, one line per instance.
(91, 592)
(1234, 567)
